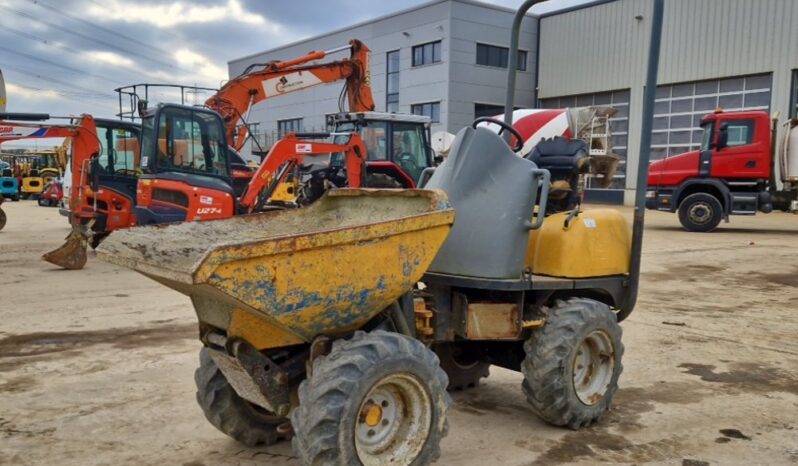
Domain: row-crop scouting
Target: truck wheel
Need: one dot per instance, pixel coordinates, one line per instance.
(228, 412)
(700, 212)
(378, 398)
(15, 197)
(2, 219)
(462, 365)
(44, 202)
(573, 363)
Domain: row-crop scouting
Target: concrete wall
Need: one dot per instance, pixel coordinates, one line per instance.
(604, 47)
(469, 82)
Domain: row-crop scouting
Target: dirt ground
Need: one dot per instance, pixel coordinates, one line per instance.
(96, 365)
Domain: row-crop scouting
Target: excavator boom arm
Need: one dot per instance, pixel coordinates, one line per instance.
(84, 142)
(235, 98)
(291, 149)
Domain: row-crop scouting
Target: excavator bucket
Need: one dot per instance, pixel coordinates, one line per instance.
(72, 254)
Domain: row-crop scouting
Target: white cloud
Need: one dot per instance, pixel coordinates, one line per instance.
(14, 91)
(204, 66)
(164, 15)
(110, 58)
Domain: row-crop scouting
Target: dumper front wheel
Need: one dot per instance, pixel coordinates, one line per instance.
(378, 398)
(573, 363)
(228, 412)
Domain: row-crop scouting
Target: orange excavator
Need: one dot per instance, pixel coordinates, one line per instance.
(99, 200)
(236, 98)
(187, 176)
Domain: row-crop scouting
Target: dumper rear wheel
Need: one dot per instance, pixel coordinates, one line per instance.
(2, 219)
(378, 398)
(573, 363)
(228, 412)
(463, 365)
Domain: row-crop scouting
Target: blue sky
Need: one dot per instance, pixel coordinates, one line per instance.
(65, 57)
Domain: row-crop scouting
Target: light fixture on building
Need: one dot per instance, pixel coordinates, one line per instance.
(639, 17)
(405, 33)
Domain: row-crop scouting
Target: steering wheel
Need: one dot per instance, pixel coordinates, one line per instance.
(519, 141)
(407, 158)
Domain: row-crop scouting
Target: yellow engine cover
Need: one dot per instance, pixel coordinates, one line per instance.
(597, 243)
(32, 185)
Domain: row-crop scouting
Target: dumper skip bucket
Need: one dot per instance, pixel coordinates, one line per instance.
(281, 278)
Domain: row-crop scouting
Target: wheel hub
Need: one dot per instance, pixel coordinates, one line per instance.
(394, 421)
(700, 212)
(593, 367)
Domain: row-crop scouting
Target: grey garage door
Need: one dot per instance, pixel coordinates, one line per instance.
(679, 108)
(619, 125)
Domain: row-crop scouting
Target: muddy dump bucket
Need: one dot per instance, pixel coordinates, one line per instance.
(281, 278)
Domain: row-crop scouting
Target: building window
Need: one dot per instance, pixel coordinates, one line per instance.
(794, 98)
(425, 54)
(487, 110)
(430, 109)
(289, 126)
(392, 83)
(491, 55)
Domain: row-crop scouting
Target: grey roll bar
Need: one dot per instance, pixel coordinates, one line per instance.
(645, 138)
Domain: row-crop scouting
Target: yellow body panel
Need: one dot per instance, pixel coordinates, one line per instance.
(597, 243)
(32, 185)
(258, 332)
(325, 289)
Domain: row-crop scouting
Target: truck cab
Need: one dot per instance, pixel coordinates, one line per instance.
(730, 173)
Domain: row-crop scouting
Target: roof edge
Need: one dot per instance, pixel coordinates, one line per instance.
(374, 20)
(574, 8)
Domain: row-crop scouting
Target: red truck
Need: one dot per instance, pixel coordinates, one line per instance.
(732, 173)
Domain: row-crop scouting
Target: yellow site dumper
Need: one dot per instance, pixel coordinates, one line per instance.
(343, 324)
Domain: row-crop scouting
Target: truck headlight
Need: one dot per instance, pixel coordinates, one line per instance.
(651, 194)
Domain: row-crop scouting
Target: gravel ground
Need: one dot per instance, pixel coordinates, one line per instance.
(96, 365)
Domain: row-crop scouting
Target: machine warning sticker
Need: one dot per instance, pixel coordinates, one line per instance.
(589, 222)
(144, 160)
(207, 200)
(304, 148)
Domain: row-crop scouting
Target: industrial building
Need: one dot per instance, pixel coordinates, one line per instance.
(446, 59)
(734, 54)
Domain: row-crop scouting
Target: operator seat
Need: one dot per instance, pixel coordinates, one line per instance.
(493, 192)
(565, 159)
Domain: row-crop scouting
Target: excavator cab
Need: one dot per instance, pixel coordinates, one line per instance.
(117, 171)
(397, 146)
(185, 168)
